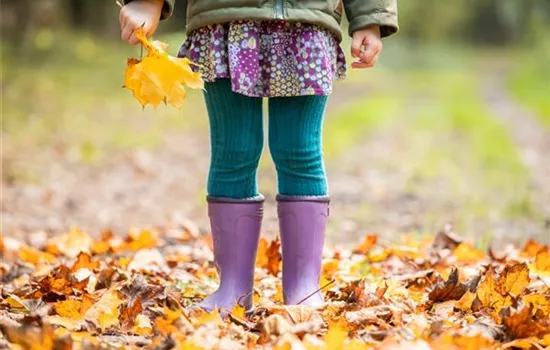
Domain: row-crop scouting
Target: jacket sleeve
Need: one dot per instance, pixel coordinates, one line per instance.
(364, 13)
(167, 8)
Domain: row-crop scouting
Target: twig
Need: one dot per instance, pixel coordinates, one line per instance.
(315, 292)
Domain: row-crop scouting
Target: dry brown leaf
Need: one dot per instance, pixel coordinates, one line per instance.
(371, 315)
(452, 288)
(275, 325)
(105, 312)
(520, 324)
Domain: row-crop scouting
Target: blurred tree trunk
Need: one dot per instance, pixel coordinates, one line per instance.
(98, 16)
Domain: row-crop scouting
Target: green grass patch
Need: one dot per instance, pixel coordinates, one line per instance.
(530, 83)
(349, 124)
(67, 91)
(455, 140)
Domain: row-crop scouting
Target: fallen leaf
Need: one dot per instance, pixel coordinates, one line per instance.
(451, 289)
(467, 253)
(514, 279)
(542, 260)
(538, 302)
(105, 312)
(532, 247)
(488, 292)
(369, 241)
(520, 324)
(268, 256)
(84, 261)
(69, 308)
(34, 256)
(73, 242)
(142, 325)
(465, 302)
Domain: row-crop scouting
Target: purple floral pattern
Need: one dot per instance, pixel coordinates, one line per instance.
(268, 58)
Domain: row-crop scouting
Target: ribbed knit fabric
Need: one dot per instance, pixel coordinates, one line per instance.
(236, 138)
(295, 142)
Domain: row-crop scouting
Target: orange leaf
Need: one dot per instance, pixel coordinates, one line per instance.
(542, 261)
(84, 261)
(369, 241)
(268, 256)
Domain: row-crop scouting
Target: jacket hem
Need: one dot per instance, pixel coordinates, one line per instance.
(218, 16)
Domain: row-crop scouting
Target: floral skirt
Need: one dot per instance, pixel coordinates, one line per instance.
(268, 58)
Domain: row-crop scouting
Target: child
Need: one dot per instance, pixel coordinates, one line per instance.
(287, 51)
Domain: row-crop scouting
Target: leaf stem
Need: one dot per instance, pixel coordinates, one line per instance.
(318, 290)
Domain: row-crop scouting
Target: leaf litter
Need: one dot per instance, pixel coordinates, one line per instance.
(137, 292)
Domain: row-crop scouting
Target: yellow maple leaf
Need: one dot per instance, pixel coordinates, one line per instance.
(69, 308)
(73, 242)
(538, 302)
(105, 312)
(466, 253)
(465, 302)
(34, 256)
(159, 77)
(542, 261)
(514, 279)
(488, 292)
(238, 311)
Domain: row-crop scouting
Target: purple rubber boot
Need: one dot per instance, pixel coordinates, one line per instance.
(302, 223)
(235, 230)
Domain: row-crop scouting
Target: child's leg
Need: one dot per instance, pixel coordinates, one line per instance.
(295, 139)
(234, 206)
(295, 142)
(236, 138)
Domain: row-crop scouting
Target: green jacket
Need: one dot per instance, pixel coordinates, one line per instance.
(325, 13)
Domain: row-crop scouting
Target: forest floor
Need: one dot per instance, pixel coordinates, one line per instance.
(407, 152)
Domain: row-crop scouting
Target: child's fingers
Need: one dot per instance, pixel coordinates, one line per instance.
(127, 33)
(371, 52)
(356, 44)
(362, 64)
(133, 39)
(123, 18)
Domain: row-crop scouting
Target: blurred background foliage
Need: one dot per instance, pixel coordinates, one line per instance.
(441, 94)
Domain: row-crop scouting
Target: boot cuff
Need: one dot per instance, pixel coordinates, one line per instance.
(258, 199)
(287, 198)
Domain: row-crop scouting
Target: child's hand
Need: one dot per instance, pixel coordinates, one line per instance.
(139, 13)
(366, 47)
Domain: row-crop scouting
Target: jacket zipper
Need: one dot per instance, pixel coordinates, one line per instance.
(278, 9)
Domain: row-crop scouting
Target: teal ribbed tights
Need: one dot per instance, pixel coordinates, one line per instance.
(236, 137)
